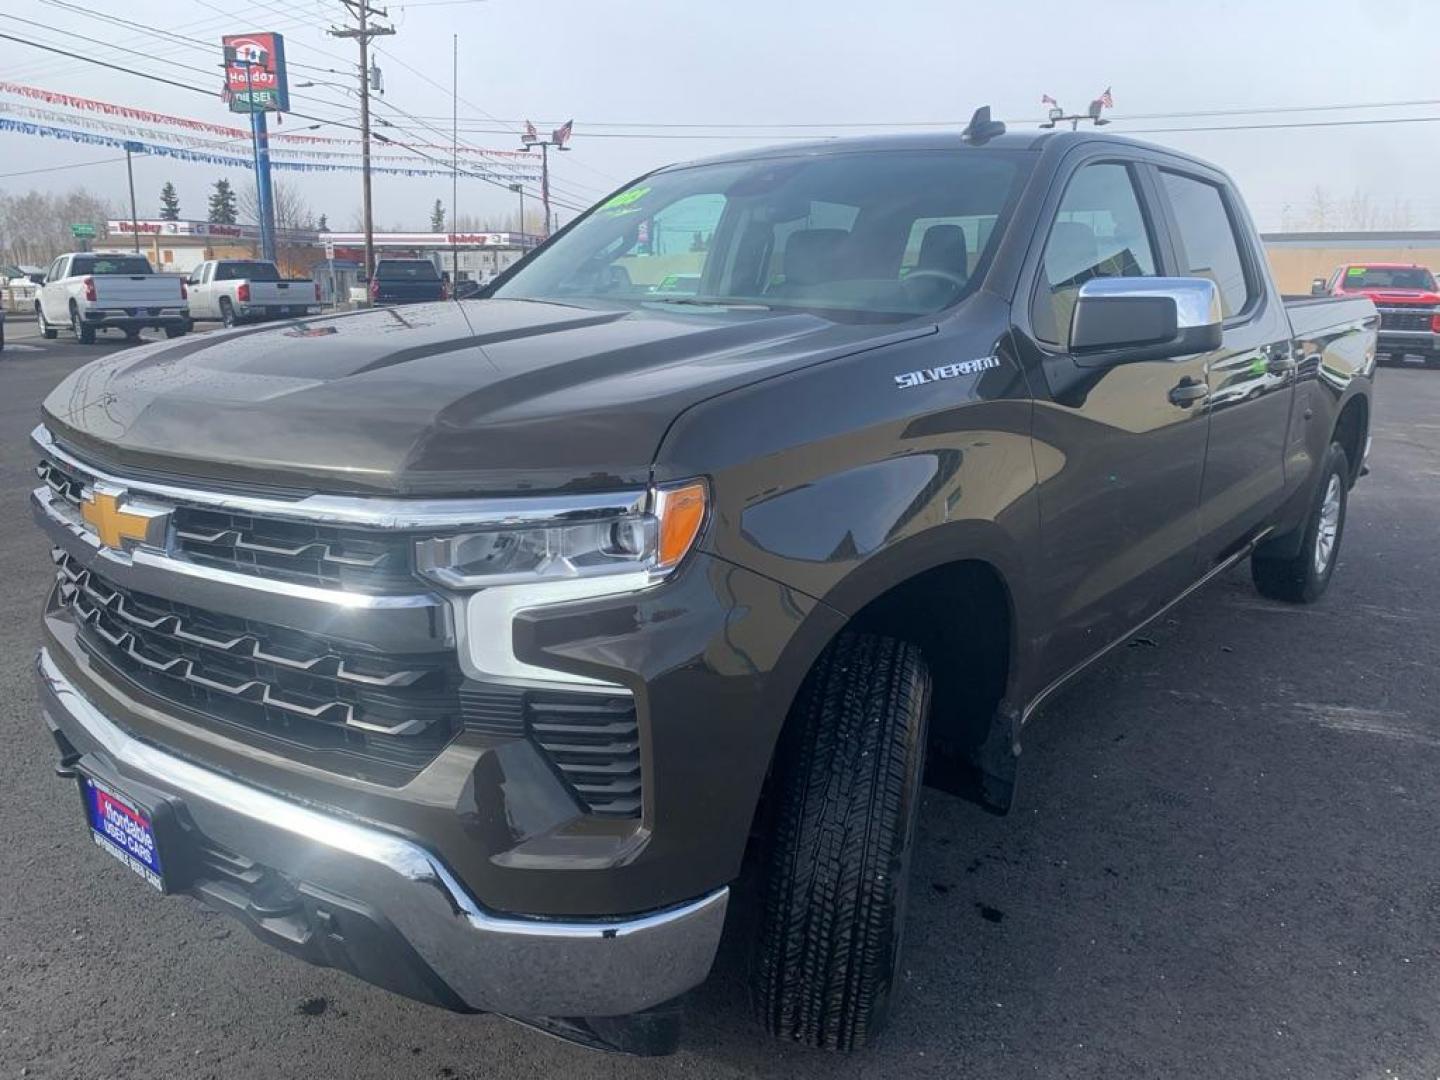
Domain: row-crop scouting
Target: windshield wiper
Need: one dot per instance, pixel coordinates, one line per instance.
(710, 301)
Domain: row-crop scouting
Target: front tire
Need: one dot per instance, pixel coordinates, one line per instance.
(1303, 578)
(848, 772)
(48, 332)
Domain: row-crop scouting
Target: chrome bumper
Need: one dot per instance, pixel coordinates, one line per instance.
(493, 963)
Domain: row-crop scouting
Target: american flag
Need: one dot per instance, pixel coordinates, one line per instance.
(1106, 100)
(561, 135)
(1046, 99)
(531, 135)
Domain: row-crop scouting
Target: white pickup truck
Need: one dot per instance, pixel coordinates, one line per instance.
(236, 290)
(108, 290)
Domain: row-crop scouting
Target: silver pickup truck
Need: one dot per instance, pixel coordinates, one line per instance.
(233, 291)
(99, 290)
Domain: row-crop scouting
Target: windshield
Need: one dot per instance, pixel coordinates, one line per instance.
(896, 233)
(246, 271)
(417, 270)
(1388, 277)
(110, 264)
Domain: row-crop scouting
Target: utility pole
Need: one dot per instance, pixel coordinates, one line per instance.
(363, 33)
(130, 172)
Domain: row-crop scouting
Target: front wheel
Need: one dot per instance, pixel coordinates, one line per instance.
(48, 332)
(1302, 578)
(848, 773)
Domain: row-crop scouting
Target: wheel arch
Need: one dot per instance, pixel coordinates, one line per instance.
(1351, 431)
(959, 604)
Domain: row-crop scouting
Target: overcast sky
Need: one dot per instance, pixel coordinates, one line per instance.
(754, 62)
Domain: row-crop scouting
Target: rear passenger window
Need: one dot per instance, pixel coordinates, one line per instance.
(1209, 246)
(1099, 231)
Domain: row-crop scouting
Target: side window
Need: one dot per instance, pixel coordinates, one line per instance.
(1210, 248)
(1099, 231)
(57, 270)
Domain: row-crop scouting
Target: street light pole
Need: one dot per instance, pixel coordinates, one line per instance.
(519, 189)
(558, 139)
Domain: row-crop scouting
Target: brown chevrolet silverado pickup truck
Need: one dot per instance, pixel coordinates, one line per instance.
(471, 647)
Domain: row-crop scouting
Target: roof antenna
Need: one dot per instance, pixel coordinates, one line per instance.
(981, 128)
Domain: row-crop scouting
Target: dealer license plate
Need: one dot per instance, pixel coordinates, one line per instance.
(123, 830)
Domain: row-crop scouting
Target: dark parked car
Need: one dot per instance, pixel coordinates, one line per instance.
(474, 654)
(406, 281)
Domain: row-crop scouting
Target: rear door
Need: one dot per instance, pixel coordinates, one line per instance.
(54, 297)
(1251, 377)
(1119, 454)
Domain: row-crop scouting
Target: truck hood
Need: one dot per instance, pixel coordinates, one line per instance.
(479, 397)
(1394, 296)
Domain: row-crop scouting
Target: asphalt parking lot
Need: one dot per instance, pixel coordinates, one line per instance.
(1225, 860)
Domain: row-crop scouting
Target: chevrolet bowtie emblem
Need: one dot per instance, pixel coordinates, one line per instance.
(114, 525)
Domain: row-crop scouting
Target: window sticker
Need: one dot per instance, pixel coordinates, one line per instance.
(623, 203)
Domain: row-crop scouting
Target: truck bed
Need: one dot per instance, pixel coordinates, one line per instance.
(1314, 316)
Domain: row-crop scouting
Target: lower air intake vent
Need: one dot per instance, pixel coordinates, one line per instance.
(594, 740)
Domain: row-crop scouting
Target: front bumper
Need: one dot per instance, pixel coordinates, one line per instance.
(338, 891)
(1408, 341)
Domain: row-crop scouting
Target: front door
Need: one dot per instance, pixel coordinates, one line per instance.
(1120, 451)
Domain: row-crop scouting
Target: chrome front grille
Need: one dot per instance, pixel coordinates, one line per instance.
(1407, 319)
(331, 557)
(271, 681)
(325, 556)
(299, 625)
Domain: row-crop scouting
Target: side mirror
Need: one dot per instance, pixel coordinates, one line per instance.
(1122, 320)
(1317, 287)
(37, 279)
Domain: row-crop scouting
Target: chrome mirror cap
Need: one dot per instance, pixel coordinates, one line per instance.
(1197, 300)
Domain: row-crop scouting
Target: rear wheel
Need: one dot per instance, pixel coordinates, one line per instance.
(179, 331)
(47, 331)
(83, 334)
(1302, 578)
(227, 313)
(848, 773)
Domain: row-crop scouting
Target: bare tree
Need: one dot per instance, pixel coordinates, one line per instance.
(291, 209)
(35, 227)
(1359, 213)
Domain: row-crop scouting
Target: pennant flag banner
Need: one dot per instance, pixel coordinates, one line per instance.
(514, 170)
(209, 157)
(146, 116)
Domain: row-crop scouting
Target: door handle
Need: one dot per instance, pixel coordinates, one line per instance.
(1187, 391)
(1281, 363)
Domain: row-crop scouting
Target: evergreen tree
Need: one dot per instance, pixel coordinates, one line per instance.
(223, 209)
(169, 203)
(437, 218)
(324, 225)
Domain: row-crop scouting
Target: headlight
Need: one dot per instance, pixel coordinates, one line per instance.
(652, 541)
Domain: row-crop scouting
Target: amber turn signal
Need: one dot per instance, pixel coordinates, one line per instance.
(681, 511)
